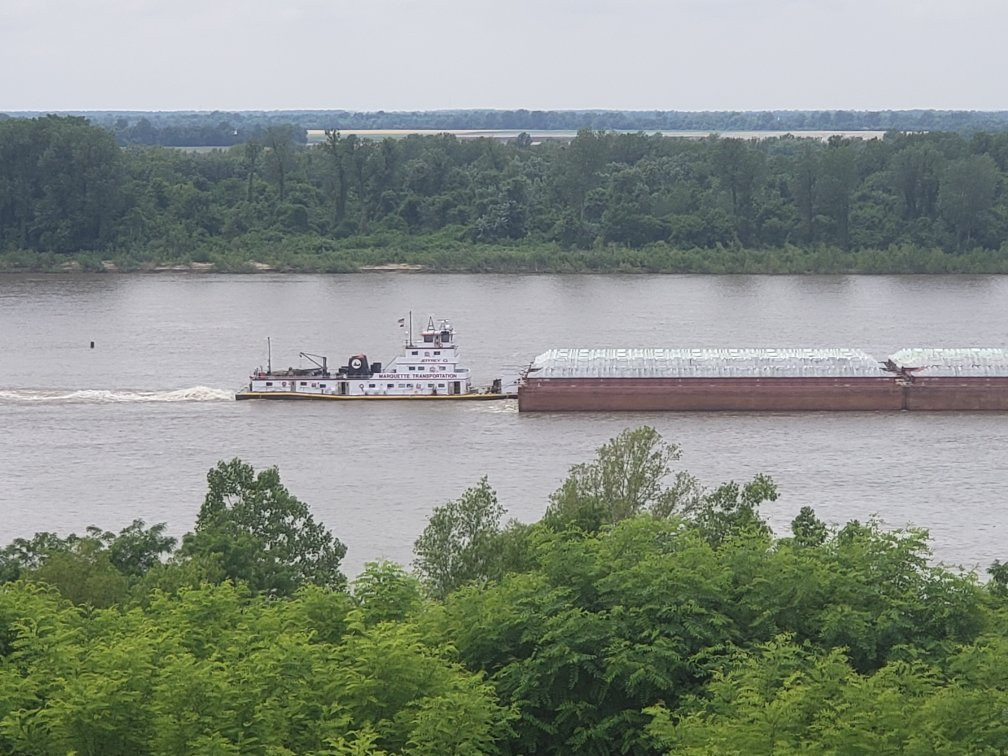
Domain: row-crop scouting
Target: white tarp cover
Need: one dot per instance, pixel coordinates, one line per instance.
(705, 363)
(972, 361)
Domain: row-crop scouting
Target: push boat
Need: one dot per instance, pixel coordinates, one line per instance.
(427, 369)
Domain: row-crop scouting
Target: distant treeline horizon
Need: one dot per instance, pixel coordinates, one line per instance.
(189, 128)
(604, 200)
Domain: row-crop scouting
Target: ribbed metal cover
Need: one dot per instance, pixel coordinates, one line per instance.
(705, 363)
(973, 361)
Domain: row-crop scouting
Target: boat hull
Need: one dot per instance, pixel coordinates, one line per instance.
(959, 394)
(295, 396)
(710, 394)
(933, 394)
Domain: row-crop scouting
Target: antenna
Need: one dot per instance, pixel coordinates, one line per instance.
(269, 356)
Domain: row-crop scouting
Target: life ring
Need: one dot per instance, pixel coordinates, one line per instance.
(360, 386)
(285, 383)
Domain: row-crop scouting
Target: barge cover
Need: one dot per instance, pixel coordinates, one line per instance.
(708, 380)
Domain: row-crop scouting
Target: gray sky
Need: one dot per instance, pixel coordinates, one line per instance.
(551, 54)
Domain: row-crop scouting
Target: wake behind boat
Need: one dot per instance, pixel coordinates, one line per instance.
(427, 369)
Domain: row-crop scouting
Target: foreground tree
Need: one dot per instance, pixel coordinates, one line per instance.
(785, 697)
(251, 528)
(97, 569)
(458, 544)
(629, 475)
(732, 508)
(215, 670)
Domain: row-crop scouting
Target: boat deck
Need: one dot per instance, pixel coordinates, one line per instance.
(293, 395)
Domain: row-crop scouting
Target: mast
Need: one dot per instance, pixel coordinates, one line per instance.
(269, 356)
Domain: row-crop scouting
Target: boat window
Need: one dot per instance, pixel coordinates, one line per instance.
(402, 385)
(370, 385)
(304, 383)
(440, 385)
(414, 353)
(269, 383)
(430, 385)
(436, 353)
(409, 385)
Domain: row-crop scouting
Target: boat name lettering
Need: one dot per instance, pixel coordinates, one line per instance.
(413, 376)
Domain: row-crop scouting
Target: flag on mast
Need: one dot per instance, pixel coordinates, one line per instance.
(402, 322)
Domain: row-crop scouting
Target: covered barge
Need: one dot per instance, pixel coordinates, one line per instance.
(973, 379)
(764, 380)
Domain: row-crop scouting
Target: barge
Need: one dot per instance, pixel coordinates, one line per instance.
(764, 380)
(967, 380)
(427, 369)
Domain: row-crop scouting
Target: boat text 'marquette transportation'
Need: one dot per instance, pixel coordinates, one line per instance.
(425, 369)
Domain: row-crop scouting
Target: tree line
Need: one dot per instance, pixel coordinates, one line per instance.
(642, 614)
(926, 202)
(219, 128)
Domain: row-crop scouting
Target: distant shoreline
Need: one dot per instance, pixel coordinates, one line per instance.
(529, 260)
(316, 136)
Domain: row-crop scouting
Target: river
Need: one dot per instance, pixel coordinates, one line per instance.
(128, 429)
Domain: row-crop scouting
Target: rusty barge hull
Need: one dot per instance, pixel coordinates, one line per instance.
(737, 394)
(959, 393)
(798, 394)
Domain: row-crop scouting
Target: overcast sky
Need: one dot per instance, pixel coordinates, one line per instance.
(545, 54)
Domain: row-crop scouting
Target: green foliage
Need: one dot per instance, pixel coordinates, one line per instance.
(808, 529)
(459, 544)
(731, 509)
(628, 476)
(70, 199)
(98, 568)
(387, 593)
(966, 194)
(998, 572)
(786, 698)
(250, 528)
(670, 623)
(23, 555)
(210, 670)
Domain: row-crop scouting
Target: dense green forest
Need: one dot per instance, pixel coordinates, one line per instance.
(926, 202)
(642, 614)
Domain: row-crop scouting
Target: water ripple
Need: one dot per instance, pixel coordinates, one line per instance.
(113, 396)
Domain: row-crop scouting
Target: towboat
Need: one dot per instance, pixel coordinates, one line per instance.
(426, 369)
